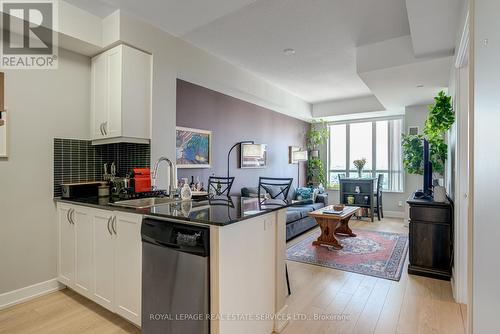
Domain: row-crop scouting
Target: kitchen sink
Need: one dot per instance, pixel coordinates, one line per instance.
(143, 203)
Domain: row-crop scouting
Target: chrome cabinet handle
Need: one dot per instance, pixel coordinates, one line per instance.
(104, 126)
(72, 211)
(67, 216)
(102, 132)
(113, 224)
(109, 230)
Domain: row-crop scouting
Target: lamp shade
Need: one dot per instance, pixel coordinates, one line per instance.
(299, 155)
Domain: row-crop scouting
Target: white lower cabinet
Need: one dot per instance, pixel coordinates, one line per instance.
(128, 266)
(80, 218)
(104, 258)
(66, 246)
(100, 257)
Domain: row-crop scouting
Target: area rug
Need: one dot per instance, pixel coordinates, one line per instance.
(373, 253)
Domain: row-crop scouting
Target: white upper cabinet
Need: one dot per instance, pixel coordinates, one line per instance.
(121, 96)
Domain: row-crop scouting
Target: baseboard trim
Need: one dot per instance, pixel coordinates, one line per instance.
(18, 296)
(394, 214)
(281, 320)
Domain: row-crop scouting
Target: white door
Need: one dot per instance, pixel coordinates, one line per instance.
(113, 124)
(128, 266)
(103, 244)
(80, 217)
(66, 246)
(99, 100)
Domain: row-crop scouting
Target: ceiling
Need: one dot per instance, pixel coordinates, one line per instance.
(427, 16)
(325, 34)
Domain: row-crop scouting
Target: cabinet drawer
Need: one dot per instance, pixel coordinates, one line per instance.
(430, 214)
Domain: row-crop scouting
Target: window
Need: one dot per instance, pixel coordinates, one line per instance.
(378, 141)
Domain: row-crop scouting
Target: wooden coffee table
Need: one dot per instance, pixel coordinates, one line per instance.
(332, 224)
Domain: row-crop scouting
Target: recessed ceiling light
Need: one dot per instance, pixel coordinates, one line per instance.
(420, 86)
(289, 51)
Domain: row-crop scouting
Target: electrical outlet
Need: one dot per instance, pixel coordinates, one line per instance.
(400, 203)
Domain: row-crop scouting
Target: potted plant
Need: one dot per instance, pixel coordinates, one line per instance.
(316, 136)
(359, 164)
(440, 119)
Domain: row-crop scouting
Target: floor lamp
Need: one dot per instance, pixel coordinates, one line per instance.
(232, 147)
(297, 157)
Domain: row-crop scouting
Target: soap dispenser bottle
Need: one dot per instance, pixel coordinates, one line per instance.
(186, 190)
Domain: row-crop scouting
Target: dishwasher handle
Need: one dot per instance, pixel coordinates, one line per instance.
(179, 237)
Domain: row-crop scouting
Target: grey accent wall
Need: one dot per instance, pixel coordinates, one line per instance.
(233, 120)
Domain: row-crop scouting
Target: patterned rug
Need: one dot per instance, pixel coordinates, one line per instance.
(373, 253)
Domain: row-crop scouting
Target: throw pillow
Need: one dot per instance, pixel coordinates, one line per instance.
(275, 192)
(304, 193)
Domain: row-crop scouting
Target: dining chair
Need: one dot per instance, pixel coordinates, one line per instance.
(277, 188)
(220, 185)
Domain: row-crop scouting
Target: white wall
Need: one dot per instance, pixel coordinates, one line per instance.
(414, 116)
(486, 227)
(42, 104)
(457, 171)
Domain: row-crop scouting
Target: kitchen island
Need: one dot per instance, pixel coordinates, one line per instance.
(246, 262)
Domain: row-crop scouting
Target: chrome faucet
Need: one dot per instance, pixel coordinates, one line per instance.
(172, 173)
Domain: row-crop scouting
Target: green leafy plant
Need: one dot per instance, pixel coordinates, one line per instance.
(412, 153)
(440, 119)
(317, 135)
(315, 171)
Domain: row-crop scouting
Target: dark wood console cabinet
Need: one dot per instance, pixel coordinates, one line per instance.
(430, 238)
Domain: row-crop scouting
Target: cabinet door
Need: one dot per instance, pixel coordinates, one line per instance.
(103, 241)
(99, 96)
(128, 266)
(80, 217)
(136, 93)
(66, 246)
(113, 123)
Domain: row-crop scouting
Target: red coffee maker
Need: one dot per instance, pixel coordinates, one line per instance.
(141, 180)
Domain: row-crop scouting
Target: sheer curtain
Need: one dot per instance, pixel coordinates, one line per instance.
(396, 178)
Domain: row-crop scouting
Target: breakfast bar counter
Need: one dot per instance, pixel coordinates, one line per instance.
(247, 244)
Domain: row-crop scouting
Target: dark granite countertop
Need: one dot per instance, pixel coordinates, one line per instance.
(218, 211)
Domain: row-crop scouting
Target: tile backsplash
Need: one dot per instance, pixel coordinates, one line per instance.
(78, 161)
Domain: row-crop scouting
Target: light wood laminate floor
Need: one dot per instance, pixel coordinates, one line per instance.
(370, 305)
(415, 304)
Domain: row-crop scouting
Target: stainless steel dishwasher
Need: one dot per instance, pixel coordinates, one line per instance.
(175, 278)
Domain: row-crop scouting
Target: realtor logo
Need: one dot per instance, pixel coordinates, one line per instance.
(29, 37)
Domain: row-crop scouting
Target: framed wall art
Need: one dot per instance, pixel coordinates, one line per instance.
(193, 148)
